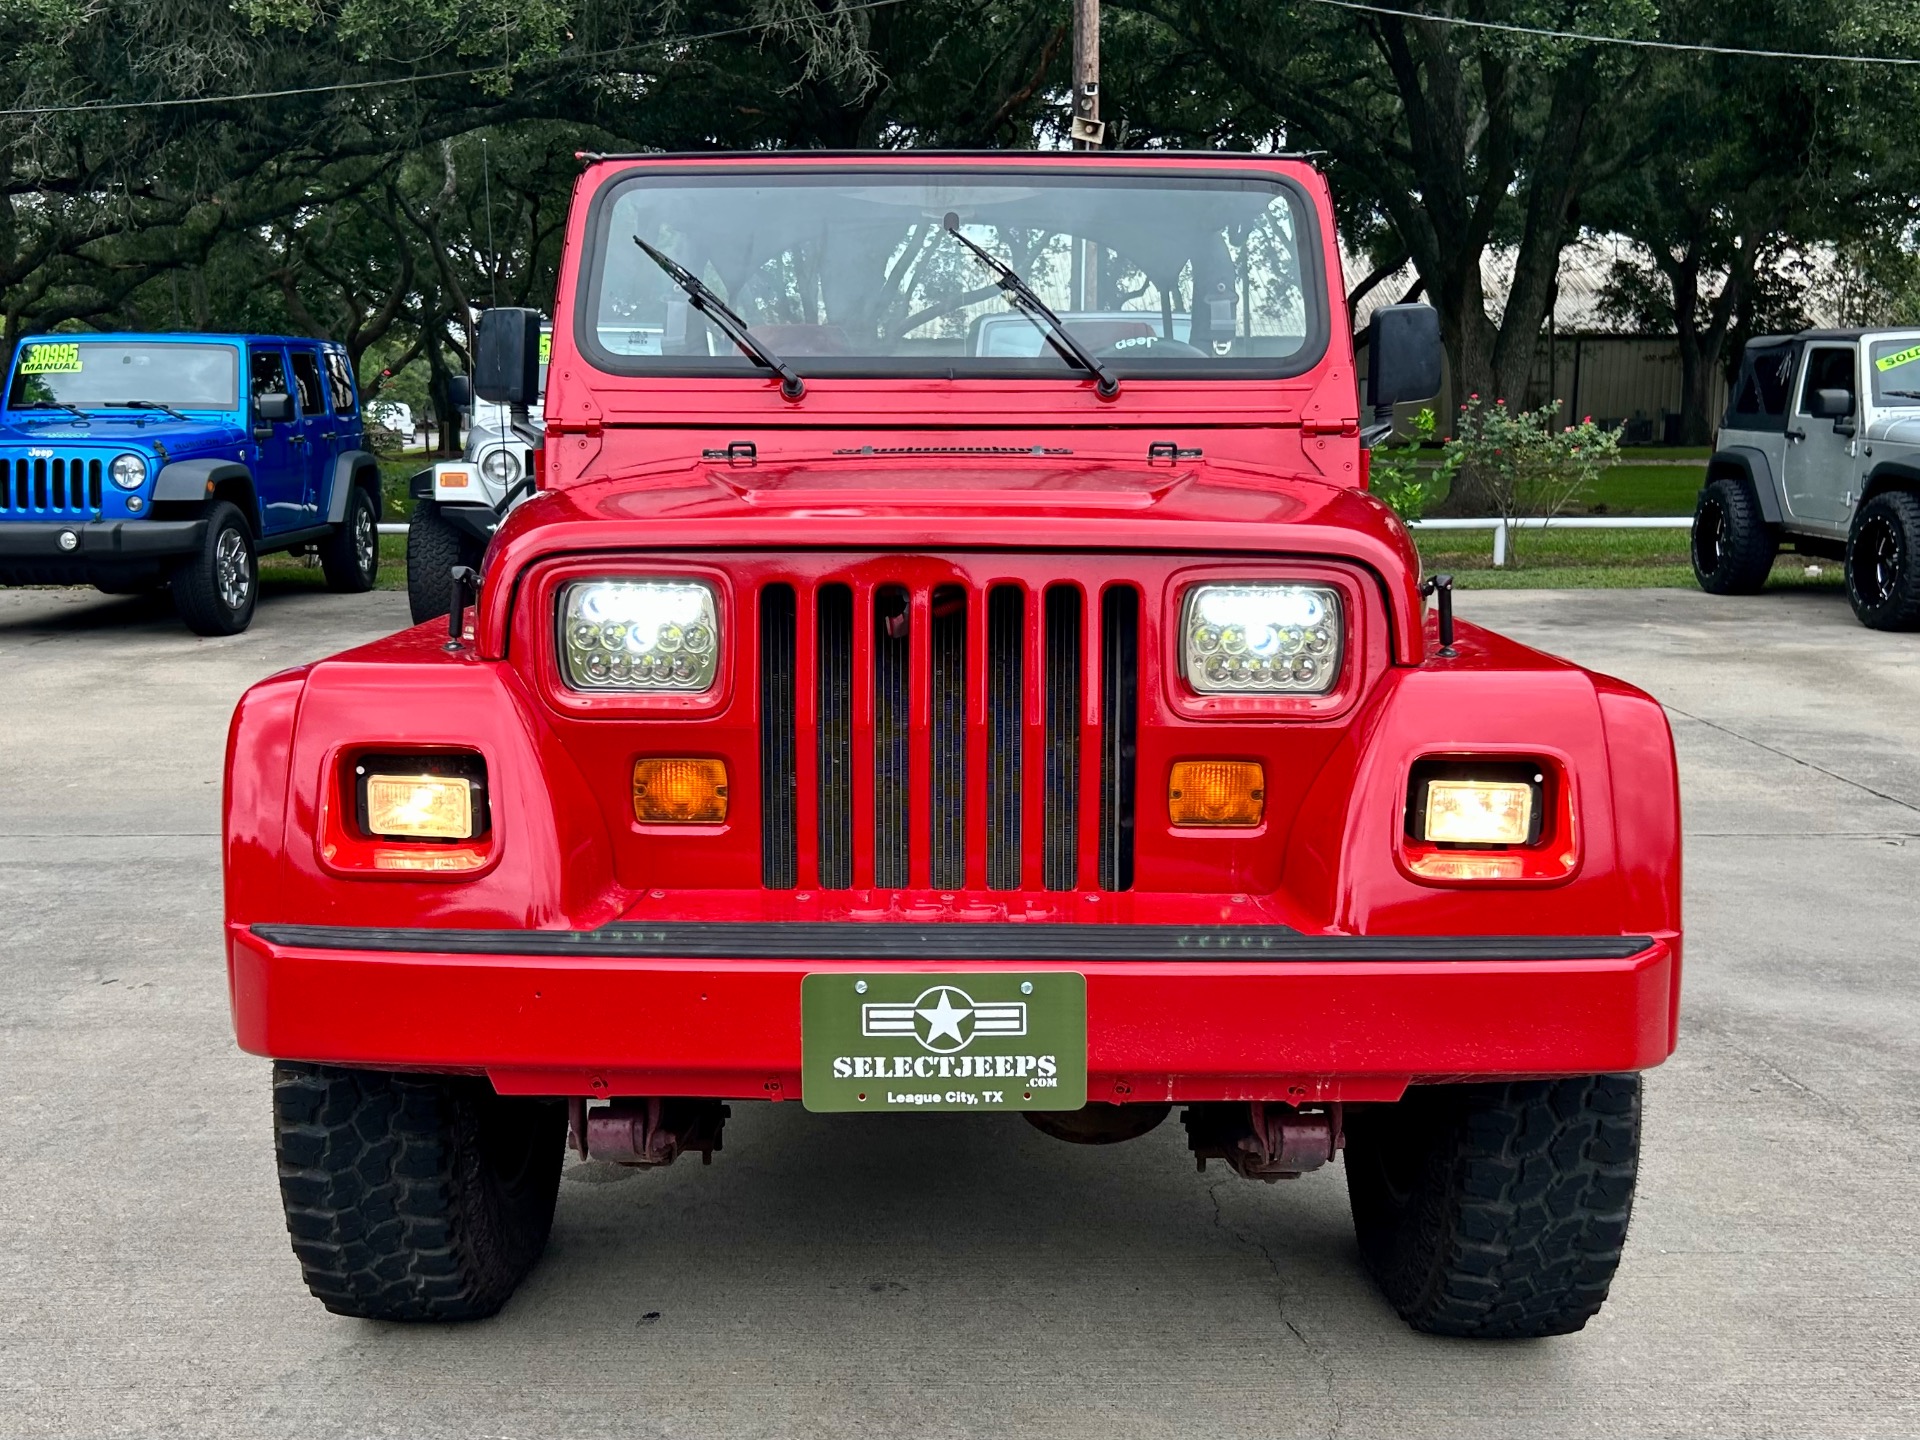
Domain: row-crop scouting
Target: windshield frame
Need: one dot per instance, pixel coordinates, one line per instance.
(102, 408)
(1308, 233)
(1902, 340)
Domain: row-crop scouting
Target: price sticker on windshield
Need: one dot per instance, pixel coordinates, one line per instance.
(55, 358)
(546, 347)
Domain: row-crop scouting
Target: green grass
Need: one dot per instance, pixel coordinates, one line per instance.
(1589, 559)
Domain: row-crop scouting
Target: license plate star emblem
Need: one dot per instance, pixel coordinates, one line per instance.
(944, 1019)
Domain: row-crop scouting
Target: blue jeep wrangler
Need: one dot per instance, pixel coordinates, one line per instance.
(128, 462)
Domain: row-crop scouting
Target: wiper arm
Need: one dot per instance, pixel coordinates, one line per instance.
(718, 311)
(145, 405)
(1027, 301)
(74, 410)
(1902, 394)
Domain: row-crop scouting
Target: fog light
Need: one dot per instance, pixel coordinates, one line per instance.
(680, 792)
(1217, 792)
(426, 807)
(1479, 812)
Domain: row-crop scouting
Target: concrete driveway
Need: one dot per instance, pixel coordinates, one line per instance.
(940, 1277)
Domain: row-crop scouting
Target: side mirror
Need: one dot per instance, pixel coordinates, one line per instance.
(460, 392)
(1403, 356)
(1832, 404)
(273, 408)
(506, 361)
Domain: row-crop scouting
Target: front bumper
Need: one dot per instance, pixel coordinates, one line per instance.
(31, 551)
(715, 1010)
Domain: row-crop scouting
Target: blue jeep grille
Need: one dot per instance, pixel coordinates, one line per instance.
(61, 485)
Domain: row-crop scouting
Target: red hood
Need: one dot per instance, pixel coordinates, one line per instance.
(870, 501)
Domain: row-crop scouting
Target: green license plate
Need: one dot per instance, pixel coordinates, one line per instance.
(969, 1040)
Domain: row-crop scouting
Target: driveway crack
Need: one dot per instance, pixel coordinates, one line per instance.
(1789, 755)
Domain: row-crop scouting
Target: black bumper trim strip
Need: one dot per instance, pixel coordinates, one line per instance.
(892, 940)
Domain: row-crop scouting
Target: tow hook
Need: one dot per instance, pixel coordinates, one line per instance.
(1264, 1141)
(652, 1131)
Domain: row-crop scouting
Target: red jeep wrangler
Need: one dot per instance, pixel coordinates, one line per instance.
(952, 662)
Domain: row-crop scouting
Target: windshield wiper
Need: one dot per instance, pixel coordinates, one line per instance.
(145, 405)
(1027, 301)
(1902, 394)
(718, 311)
(59, 405)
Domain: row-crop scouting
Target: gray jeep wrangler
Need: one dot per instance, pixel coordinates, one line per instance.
(1820, 448)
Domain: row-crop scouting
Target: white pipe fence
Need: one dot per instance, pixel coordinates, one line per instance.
(1498, 526)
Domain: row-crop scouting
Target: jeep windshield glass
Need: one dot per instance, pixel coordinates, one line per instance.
(847, 272)
(102, 374)
(1894, 366)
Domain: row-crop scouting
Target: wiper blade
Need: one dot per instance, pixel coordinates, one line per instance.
(145, 405)
(723, 315)
(58, 405)
(1903, 394)
(1027, 301)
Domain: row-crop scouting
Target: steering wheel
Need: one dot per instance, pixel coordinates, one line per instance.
(1151, 347)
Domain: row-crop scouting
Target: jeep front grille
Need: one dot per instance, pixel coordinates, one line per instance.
(936, 711)
(59, 485)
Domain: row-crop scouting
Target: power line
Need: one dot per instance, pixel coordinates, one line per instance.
(1587, 39)
(103, 106)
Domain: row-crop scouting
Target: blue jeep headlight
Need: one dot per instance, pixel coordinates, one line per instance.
(129, 472)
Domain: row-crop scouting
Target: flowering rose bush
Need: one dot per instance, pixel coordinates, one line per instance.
(1527, 467)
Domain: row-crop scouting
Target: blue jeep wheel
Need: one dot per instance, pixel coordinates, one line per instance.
(215, 591)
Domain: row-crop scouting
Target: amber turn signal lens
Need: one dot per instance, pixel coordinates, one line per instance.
(680, 792)
(1217, 792)
(1479, 812)
(420, 807)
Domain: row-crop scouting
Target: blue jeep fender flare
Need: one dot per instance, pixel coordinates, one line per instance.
(347, 469)
(1751, 465)
(194, 481)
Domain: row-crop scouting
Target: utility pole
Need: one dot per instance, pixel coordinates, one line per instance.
(1087, 132)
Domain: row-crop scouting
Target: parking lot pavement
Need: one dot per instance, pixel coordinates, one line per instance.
(935, 1277)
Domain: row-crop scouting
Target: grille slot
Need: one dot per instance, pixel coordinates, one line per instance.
(1006, 715)
(1061, 844)
(834, 612)
(61, 485)
(892, 737)
(1119, 738)
(779, 860)
(947, 644)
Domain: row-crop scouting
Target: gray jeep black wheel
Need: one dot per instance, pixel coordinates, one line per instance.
(434, 547)
(1883, 562)
(1496, 1211)
(413, 1197)
(350, 556)
(215, 591)
(1733, 548)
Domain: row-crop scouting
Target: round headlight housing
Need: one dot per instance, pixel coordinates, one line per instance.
(129, 472)
(500, 467)
(1255, 639)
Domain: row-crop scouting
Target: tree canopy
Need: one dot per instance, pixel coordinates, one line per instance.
(374, 170)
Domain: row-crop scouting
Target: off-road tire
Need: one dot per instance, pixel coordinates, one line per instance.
(350, 556)
(434, 547)
(1732, 546)
(207, 586)
(413, 1197)
(1883, 562)
(1496, 1211)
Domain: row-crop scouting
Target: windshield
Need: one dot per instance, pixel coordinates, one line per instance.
(97, 374)
(1896, 372)
(853, 273)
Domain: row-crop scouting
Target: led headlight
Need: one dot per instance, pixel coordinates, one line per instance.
(1262, 639)
(639, 635)
(500, 467)
(129, 472)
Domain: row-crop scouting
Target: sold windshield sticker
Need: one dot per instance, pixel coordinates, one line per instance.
(61, 358)
(1897, 359)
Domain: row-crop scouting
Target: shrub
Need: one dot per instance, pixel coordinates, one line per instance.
(1524, 467)
(1394, 476)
